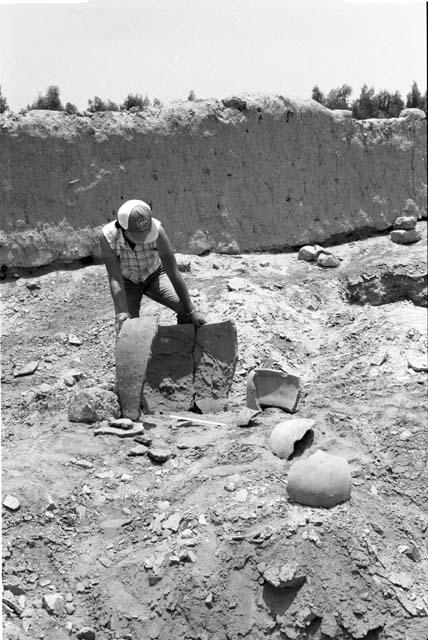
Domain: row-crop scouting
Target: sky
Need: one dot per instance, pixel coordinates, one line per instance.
(165, 48)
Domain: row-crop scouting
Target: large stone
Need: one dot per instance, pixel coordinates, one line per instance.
(327, 260)
(284, 576)
(287, 433)
(133, 350)
(405, 222)
(93, 405)
(307, 253)
(215, 356)
(405, 236)
(271, 388)
(322, 480)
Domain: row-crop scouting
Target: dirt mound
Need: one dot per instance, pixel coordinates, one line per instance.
(243, 174)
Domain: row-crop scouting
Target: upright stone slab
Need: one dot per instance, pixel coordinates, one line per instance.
(216, 354)
(169, 380)
(133, 349)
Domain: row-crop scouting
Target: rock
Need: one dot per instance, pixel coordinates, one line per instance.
(236, 284)
(413, 553)
(322, 480)
(85, 464)
(209, 600)
(405, 435)
(327, 260)
(417, 362)
(271, 388)
(69, 608)
(307, 253)
(86, 633)
(72, 376)
(241, 495)
(92, 405)
(144, 440)
(284, 576)
(138, 450)
(246, 417)
(287, 433)
(125, 477)
(403, 236)
(74, 340)
(27, 370)
(159, 454)
(122, 423)
(137, 430)
(15, 589)
(405, 222)
(12, 503)
(173, 522)
(53, 603)
(235, 102)
(211, 405)
(133, 350)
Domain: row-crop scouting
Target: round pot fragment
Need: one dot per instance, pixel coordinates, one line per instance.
(286, 433)
(272, 388)
(322, 480)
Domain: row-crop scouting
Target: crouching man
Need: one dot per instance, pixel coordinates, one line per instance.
(140, 261)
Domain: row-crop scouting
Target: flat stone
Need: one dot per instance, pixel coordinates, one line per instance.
(173, 522)
(307, 253)
(27, 370)
(211, 405)
(133, 351)
(122, 423)
(284, 576)
(115, 523)
(138, 450)
(74, 340)
(85, 464)
(402, 579)
(405, 222)
(271, 388)
(119, 433)
(327, 260)
(286, 433)
(53, 603)
(405, 236)
(92, 404)
(159, 454)
(12, 503)
(322, 480)
(143, 440)
(235, 284)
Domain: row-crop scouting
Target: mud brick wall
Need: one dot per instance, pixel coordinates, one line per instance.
(242, 174)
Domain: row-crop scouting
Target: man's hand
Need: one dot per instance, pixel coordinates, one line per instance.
(120, 319)
(196, 318)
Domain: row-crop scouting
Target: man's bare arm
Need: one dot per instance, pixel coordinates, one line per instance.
(115, 278)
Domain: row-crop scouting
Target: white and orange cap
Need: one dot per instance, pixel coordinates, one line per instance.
(135, 215)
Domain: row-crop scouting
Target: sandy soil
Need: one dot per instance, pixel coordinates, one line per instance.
(94, 524)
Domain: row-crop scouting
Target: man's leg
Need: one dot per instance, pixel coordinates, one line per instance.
(158, 287)
(134, 292)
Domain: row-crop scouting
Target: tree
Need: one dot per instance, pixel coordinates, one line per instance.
(157, 103)
(192, 96)
(135, 100)
(338, 98)
(318, 95)
(414, 98)
(396, 105)
(365, 105)
(50, 101)
(97, 104)
(70, 108)
(3, 102)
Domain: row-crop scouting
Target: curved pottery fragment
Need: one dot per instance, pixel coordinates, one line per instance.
(133, 350)
(322, 480)
(287, 433)
(271, 388)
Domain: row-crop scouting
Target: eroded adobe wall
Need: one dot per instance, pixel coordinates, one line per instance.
(248, 173)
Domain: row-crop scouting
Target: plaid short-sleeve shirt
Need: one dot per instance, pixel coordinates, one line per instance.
(139, 263)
